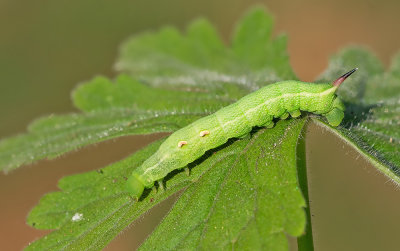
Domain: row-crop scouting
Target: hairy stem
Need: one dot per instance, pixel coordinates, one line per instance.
(305, 241)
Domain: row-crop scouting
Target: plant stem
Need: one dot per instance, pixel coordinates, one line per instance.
(305, 241)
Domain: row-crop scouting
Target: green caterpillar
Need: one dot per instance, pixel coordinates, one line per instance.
(259, 108)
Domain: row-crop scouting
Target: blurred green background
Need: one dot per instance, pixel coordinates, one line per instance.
(47, 47)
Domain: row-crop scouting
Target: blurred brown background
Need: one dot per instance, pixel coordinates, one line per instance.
(47, 47)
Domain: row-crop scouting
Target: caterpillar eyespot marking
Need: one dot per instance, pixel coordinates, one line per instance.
(259, 108)
(182, 143)
(204, 133)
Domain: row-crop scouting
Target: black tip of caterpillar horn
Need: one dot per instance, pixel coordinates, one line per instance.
(342, 78)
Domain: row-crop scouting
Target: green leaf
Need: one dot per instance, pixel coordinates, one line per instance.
(248, 200)
(372, 117)
(242, 178)
(199, 58)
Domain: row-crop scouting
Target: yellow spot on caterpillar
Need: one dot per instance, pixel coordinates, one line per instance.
(182, 143)
(204, 133)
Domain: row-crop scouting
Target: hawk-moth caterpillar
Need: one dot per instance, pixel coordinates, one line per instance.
(260, 108)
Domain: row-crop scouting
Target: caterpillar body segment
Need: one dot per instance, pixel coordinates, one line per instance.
(260, 108)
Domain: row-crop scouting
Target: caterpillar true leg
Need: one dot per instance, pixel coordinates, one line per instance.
(161, 184)
(187, 171)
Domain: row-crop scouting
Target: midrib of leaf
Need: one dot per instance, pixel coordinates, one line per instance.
(212, 166)
(251, 142)
(255, 210)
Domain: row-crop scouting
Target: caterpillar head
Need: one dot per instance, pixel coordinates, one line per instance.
(134, 186)
(336, 115)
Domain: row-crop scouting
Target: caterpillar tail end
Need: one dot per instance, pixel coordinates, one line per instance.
(134, 187)
(335, 117)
